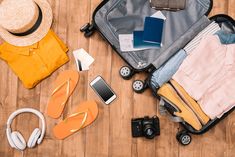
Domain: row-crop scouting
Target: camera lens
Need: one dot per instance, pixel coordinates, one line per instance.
(149, 132)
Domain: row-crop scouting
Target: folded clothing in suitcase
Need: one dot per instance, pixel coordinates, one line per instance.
(208, 73)
(166, 71)
(185, 106)
(213, 96)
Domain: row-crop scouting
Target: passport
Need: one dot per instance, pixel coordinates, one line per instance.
(153, 30)
(139, 43)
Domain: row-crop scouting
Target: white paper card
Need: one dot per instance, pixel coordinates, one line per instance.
(126, 41)
(83, 59)
(159, 15)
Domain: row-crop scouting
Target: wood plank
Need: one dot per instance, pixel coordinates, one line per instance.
(166, 143)
(219, 7)
(97, 135)
(144, 105)
(8, 104)
(230, 127)
(121, 112)
(231, 8)
(75, 145)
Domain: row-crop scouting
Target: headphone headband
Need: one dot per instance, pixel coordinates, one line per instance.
(27, 110)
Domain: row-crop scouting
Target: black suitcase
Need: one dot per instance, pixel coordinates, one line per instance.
(114, 17)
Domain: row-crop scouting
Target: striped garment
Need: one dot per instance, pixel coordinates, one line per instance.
(209, 30)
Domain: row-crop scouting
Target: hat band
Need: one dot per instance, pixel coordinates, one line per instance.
(35, 26)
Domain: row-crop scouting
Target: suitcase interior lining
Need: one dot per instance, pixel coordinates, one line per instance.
(114, 18)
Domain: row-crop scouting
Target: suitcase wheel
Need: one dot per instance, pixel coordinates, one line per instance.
(138, 86)
(183, 138)
(88, 29)
(126, 72)
(88, 34)
(85, 27)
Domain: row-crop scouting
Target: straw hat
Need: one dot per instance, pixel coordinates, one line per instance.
(24, 22)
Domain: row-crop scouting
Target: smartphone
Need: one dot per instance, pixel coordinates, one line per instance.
(103, 90)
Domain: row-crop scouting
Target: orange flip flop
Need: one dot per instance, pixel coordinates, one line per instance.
(85, 114)
(63, 88)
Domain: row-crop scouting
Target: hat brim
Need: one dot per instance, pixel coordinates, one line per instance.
(38, 34)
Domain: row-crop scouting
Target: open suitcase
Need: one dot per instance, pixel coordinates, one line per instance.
(114, 17)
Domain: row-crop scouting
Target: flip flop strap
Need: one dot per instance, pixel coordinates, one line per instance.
(67, 82)
(83, 120)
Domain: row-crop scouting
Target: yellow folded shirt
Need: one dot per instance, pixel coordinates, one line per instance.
(204, 119)
(36, 62)
(168, 93)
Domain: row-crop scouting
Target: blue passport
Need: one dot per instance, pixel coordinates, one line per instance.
(139, 43)
(153, 30)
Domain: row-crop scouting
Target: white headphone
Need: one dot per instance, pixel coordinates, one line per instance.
(16, 140)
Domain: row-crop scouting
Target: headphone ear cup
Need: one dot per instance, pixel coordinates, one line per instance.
(34, 138)
(18, 140)
(9, 138)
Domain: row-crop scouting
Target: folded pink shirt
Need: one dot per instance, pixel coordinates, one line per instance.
(208, 75)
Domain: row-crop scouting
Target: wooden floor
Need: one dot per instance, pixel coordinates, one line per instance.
(110, 134)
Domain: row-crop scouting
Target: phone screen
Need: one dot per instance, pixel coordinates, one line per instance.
(103, 90)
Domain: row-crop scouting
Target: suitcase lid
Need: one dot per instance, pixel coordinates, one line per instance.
(114, 17)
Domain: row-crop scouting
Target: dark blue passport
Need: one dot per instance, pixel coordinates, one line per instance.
(153, 30)
(139, 43)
